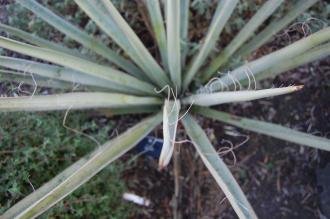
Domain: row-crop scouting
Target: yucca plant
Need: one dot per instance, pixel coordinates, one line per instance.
(173, 90)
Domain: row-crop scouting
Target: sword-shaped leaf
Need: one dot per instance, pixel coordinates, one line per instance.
(184, 26)
(35, 40)
(33, 80)
(157, 23)
(173, 40)
(130, 111)
(312, 55)
(276, 58)
(119, 80)
(224, 9)
(52, 72)
(266, 128)
(77, 100)
(80, 172)
(218, 169)
(210, 99)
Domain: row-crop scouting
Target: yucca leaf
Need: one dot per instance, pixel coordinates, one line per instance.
(184, 26)
(157, 22)
(52, 72)
(80, 36)
(130, 111)
(173, 40)
(210, 99)
(77, 100)
(80, 172)
(171, 112)
(312, 55)
(218, 169)
(7, 75)
(267, 128)
(35, 40)
(106, 16)
(274, 27)
(276, 58)
(224, 9)
(245, 33)
(119, 81)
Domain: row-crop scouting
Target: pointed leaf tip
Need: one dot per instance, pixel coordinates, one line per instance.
(297, 88)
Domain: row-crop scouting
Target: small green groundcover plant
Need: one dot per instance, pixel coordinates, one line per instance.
(29, 158)
(173, 90)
